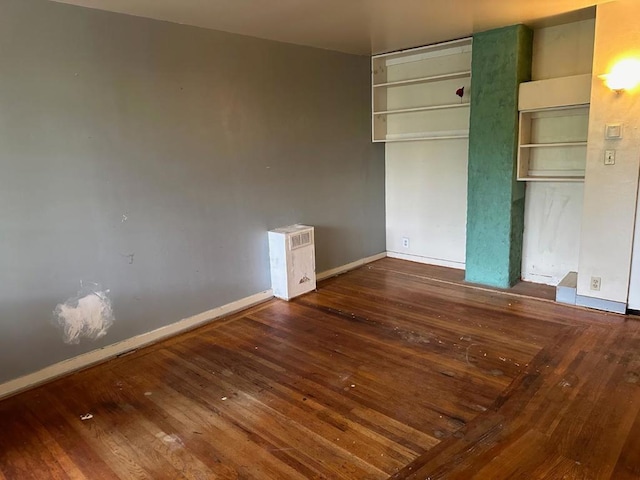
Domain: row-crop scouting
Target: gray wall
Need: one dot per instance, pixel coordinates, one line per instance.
(203, 140)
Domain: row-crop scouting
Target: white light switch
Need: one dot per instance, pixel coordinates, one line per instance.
(609, 157)
(613, 131)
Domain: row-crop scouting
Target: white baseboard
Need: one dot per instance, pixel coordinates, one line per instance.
(601, 304)
(88, 359)
(427, 260)
(110, 351)
(349, 266)
(541, 279)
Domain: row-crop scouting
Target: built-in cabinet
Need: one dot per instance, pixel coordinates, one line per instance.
(420, 104)
(422, 93)
(554, 123)
(553, 143)
(561, 73)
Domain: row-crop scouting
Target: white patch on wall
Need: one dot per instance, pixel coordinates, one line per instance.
(87, 315)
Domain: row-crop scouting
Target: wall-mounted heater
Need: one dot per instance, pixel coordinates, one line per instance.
(293, 261)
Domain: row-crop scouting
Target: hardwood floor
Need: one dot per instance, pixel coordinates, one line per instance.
(382, 372)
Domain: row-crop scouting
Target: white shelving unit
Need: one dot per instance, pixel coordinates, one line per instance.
(414, 93)
(554, 123)
(553, 144)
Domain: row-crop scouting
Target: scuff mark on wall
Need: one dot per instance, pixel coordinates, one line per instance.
(555, 206)
(553, 214)
(87, 315)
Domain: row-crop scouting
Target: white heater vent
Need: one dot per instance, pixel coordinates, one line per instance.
(300, 240)
(293, 261)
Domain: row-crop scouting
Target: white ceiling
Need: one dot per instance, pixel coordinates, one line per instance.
(353, 26)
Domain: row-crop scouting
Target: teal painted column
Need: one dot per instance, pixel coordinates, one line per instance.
(501, 60)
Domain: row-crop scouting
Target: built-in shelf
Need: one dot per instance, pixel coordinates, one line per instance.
(555, 92)
(555, 144)
(552, 143)
(432, 78)
(411, 137)
(422, 109)
(555, 178)
(422, 93)
(557, 173)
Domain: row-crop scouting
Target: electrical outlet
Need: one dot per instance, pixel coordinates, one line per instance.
(405, 242)
(595, 283)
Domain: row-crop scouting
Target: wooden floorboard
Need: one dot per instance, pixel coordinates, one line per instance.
(394, 370)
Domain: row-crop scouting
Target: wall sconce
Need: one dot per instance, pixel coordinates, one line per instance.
(624, 75)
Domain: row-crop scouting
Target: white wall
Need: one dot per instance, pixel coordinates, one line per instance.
(563, 50)
(426, 180)
(611, 191)
(553, 210)
(152, 158)
(426, 200)
(634, 286)
(553, 213)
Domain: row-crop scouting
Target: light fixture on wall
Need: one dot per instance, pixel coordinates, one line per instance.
(624, 75)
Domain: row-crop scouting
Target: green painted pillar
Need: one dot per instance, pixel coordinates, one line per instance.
(501, 60)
